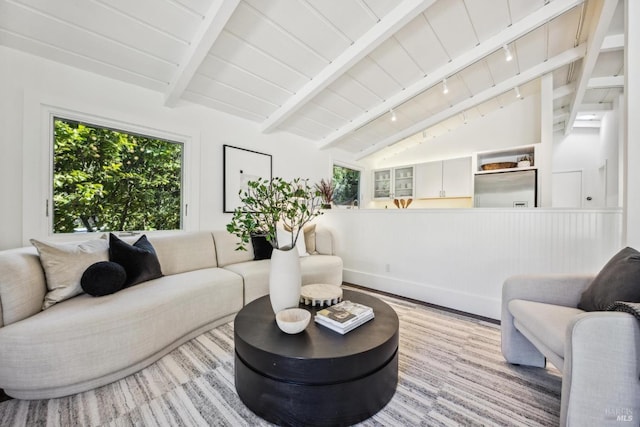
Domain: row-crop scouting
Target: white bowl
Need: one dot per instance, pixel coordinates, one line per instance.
(293, 320)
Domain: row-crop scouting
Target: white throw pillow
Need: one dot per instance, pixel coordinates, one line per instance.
(64, 264)
(284, 239)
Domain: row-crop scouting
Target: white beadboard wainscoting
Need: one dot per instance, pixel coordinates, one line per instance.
(459, 258)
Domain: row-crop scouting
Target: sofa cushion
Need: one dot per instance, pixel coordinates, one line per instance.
(103, 278)
(255, 275)
(184, 251)
(619, 280)
(85, 338)
(64, 265)
(226, 244)
(139, 260)
(547, 322)
(22, 284)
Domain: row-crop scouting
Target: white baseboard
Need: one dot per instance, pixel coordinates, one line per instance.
(482, 306)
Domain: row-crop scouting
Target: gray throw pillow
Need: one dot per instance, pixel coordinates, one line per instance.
(619, 280)
(64, 265)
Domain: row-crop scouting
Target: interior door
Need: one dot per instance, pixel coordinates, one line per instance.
(567, 189)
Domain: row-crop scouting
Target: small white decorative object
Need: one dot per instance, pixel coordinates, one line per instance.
(293, 320)
(524, 163)
(284, 279)
(320, 294)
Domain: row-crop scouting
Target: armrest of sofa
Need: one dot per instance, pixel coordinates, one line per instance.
(600, 382)
(562, 289)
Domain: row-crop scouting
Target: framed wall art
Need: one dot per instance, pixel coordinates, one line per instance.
(240, 166)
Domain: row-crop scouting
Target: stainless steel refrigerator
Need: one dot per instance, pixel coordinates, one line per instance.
(513, 189)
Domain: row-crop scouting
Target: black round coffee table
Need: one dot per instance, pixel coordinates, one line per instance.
(317, 377)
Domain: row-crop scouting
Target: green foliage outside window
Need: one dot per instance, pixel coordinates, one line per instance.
(347, 186)
(108, 180)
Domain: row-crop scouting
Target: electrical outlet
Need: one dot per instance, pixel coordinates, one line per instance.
(387, 268)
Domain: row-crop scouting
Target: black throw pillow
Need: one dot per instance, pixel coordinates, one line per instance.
(619, 280)
(139, 260)
(103, 278)
(262, 249)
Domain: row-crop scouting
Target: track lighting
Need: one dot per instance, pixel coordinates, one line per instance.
(393, 115)
(445, 88)
(517, 89)
(507, 53)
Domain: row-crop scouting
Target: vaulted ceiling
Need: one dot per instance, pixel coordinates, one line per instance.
(358, 75)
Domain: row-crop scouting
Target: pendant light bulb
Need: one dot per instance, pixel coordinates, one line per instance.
(393, 115)
(445, 88)
(517, 89)
(507, 53)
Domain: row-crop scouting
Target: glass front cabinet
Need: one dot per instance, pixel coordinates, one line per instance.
(393, 183)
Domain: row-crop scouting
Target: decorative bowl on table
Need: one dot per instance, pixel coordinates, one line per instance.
(293, 320)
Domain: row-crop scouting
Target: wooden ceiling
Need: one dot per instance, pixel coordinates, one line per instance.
(337, 71)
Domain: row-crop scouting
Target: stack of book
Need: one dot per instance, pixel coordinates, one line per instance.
(344, 316)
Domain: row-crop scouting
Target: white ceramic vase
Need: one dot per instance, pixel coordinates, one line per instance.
(284, 279)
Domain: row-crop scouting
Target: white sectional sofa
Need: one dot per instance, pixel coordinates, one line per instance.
(84, 342)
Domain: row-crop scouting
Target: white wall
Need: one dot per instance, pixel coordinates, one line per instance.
(27, 82)
(459, 258)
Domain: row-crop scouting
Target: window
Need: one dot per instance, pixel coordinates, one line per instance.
(347, 186)
(112, 180)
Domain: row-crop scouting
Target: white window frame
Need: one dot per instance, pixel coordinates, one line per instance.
(39, 222)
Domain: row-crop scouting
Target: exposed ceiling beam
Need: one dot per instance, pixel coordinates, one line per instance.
(564, 91)
(559, 115)
(210, 28)
(612, 42)
(558, 127)
(525, 76)
(388, 25)
(518, 29)
(603, 15)
(605, 82)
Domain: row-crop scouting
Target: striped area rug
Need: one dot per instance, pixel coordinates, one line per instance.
(451, 373)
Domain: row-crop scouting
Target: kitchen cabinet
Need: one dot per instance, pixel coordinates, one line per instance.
(393, 182)
(446, 178)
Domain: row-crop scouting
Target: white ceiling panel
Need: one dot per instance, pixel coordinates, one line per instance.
(531, 49)
(309, 27)
(249, 25)
(609, 64)
(231, 49)
(396, 62)
(231, 75)
(50, 31)
(347, 16)
(520, 9)
(199, 7)
(369, 74)
(320, 114)
(355, 92)
(100, 21)
(488, 21)
(337, 103)
(379, 8)
(421, 43)
(476, 77)
(276, 60)
(165, 16)
(457, 38)
(563, 31)
(198, 98)
(231, 95)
